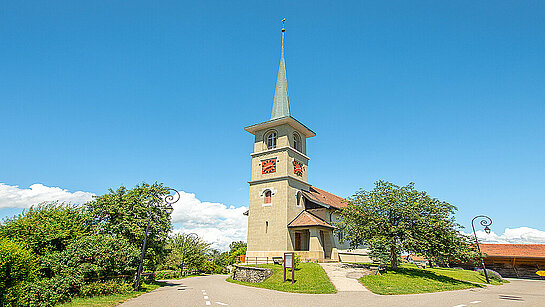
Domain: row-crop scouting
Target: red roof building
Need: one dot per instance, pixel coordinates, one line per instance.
(515, 260)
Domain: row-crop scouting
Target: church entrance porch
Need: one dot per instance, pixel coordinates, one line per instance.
(313, 243)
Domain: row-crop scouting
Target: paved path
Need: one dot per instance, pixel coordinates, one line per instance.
(215, 291)
(344, 277)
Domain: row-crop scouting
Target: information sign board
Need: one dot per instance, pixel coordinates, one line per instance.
(288, 260)
(288, 263)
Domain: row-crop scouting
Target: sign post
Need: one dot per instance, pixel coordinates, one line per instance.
(289, 262)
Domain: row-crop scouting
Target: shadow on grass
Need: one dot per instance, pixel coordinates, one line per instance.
(417, 273)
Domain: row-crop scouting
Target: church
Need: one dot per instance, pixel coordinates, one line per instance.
(286, 213)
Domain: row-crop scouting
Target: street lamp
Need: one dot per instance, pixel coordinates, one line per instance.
(157, 201)
(485, 221)
(183, 251)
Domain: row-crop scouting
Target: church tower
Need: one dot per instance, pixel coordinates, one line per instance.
(279, 175)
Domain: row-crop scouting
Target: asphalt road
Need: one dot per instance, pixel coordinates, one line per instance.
(215, 291)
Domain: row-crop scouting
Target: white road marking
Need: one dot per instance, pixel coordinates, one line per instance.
(461, 305)
(205, 297)
(207, 302)
(475, 302)
(220, 303)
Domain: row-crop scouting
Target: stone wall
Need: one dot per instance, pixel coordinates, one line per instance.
(250, 274)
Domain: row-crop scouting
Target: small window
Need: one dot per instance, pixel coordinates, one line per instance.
(268, 196)
(271, 140)
(299, 198)
(296, 142)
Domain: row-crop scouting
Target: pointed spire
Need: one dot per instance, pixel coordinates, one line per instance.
(281, 104)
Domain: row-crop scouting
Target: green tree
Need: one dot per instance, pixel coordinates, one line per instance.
(124, 213)
(237, 248)
(235, 245)
(98, 256)
(190, 249)
(398, 218)
(17, 270)
(47, 227)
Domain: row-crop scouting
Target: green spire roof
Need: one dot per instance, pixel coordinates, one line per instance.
(281, 105)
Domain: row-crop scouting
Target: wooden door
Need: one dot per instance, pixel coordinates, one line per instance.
(297, 241)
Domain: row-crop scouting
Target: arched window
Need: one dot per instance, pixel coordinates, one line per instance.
(296, 142)
(271, 140)
(299, 196)
(268, 194)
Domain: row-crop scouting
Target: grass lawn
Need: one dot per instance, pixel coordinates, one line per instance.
(110, 300)
(409, 280)
(309, 278)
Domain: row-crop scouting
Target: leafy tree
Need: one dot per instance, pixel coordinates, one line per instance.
(17, 269)
(444, 244)
(47, 227)
(398, 218)
(379, 252)
(191, 249)
(124, 213)
(237, 248)
(98, 256)
(235, 245)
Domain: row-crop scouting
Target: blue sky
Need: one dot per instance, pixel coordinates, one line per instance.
(447, 95)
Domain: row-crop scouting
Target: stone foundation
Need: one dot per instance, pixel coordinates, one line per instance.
(250, 274)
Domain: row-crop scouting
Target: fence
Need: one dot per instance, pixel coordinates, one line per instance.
(255, 261)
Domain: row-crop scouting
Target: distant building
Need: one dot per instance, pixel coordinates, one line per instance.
(418, 260)
(286, 213)
(515, 260)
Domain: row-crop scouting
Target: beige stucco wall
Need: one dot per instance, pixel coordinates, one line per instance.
(268, 233)
(285, 135)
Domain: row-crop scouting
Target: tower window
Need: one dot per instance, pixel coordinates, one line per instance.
(299, 196)
(268, 194)
(271, 140)
(296, 142)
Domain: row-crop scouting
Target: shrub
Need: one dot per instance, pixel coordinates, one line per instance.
(99, 256)
(296, 261)
(105, 288)
(491, 274)
(207, 267)
(17, 270)
(51, 291)
(161, 275)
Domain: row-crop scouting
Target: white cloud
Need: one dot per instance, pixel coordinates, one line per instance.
(214, 222)
(11, 196)
(521, 235)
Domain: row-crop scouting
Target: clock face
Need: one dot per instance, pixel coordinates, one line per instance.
(268, 166)
(298, 168)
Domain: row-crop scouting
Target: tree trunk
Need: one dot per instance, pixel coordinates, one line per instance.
(393, 257)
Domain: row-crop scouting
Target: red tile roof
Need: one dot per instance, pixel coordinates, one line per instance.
(514, 250)
(417, 258)
(323, 197)
(305, 219)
